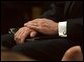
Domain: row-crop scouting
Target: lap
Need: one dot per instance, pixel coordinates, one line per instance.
(7, 40)
(44, 49)
(51, 49)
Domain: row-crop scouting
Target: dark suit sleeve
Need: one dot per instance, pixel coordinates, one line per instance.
(75, 30)
(54, 12)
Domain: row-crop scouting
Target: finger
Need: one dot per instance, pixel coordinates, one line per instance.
(20, 37)
(17, 34)
(30, 22)
(21, 32)
(23, 37)
(33, 34)
(37, 28)
(26, 33)
(25, 24)
(24, 30)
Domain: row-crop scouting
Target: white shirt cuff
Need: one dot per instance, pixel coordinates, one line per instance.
(62, 29)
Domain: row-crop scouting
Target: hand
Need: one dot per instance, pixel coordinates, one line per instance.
(44, 26)
(22, 33)
(73, 54)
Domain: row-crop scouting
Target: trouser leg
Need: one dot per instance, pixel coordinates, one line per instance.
(44, 49)
(51, 49)
(7, 40)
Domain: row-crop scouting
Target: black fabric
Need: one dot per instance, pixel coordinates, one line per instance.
(51, 49)
(75, 31)
(7, 41)
(60, 11)
(54, 12)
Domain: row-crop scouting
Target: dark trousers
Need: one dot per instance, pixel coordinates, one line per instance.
(44, 49)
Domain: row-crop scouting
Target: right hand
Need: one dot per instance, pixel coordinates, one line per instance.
(43, 25)
(22, 33)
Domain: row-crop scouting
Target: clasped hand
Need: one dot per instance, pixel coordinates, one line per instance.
(31, 28)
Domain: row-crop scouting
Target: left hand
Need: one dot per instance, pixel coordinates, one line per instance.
(22, 33)
(43, 25)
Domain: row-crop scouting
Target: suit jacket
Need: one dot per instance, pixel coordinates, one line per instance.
(72, 12)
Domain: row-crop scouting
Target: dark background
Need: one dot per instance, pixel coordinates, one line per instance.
(15, 13)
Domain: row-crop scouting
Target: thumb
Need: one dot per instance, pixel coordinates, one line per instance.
(33, 34)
